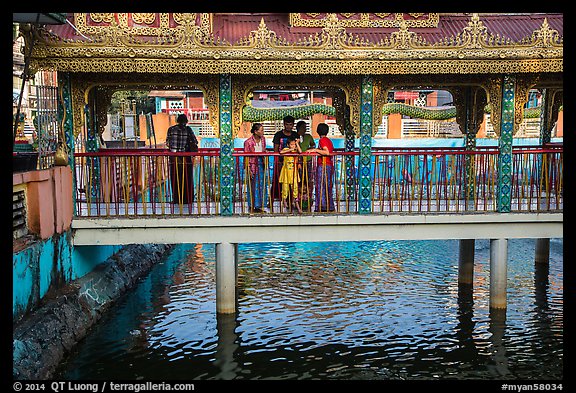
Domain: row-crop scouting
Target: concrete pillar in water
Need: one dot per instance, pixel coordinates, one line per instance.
(542, 251)
(498, 267)
(466, 262)
(226, 260)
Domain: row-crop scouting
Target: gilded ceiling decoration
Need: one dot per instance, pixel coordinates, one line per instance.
(139, 23)
(365, 20)
(184, 43)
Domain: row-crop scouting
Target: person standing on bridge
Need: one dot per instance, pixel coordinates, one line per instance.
(306, 174)
(324, 171)
(289, 175)
(181, 138)
(255, 174)
(280, 141)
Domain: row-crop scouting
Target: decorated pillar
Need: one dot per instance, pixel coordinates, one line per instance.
(470, 132)
(90, 118)
(92, 145)
(470, 144)
(226, 146)
(347, 129)
(545, 131)
(470, 102)
(350, 159)
(475, 102)
(65, 119)
(504, 201)
(464, 102)
(365, 164)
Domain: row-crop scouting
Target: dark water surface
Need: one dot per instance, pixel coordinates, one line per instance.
(345, 310)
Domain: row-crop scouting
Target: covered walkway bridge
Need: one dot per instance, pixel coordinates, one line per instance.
(482, 59)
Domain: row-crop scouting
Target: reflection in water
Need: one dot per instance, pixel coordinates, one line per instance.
(357, 310)
(499, 368)
(226, 325)
(466, 324)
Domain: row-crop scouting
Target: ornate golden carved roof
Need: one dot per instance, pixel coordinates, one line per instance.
(365, 20)
(139, 23)
(186, 43)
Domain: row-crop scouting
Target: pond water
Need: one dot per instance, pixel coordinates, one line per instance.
(383, 310)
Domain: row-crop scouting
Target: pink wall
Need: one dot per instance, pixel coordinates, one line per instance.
(48, 203)
(560, 125)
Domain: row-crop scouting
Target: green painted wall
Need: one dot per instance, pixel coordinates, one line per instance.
(50, 263)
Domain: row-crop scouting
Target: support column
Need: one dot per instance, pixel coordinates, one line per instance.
(226, 261)
(498, 272)
(92, 145)
(466, 262)
(226, 146)
(65, 119)
(350, 169)
(504, 201)
(474, 103)
(349, 160)
(541, 273)
(542, 251)
(365, 165)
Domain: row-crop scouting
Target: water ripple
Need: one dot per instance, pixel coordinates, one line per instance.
(356, 310)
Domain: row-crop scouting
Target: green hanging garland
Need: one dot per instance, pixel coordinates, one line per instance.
(418, 112)
(252, 114)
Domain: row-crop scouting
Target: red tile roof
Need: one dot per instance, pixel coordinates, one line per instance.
(232, 27)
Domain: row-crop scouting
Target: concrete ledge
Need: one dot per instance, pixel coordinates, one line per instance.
(250, 229)
(31, 176)
(44, 337)
(49, 208)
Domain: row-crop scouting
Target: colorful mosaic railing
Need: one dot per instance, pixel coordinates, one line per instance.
(148, 182)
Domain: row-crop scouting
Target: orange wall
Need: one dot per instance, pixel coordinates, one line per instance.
(196, 102)
(482, 130)
(319, 117)
(48, 203)
(161, 123)
(432, 99)
(394, 126)
(560, 125)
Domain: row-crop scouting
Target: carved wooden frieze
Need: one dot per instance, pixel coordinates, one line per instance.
(184, 43)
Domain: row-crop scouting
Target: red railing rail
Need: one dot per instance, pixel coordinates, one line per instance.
(143, 182)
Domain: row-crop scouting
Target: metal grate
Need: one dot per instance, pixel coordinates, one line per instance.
(46, 123)
(19, 227)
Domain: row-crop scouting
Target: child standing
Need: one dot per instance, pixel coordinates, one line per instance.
(289, 178)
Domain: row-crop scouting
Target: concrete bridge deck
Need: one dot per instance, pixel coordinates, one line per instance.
(312, 228)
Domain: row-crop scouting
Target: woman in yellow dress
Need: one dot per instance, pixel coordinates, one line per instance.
(289, 178)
